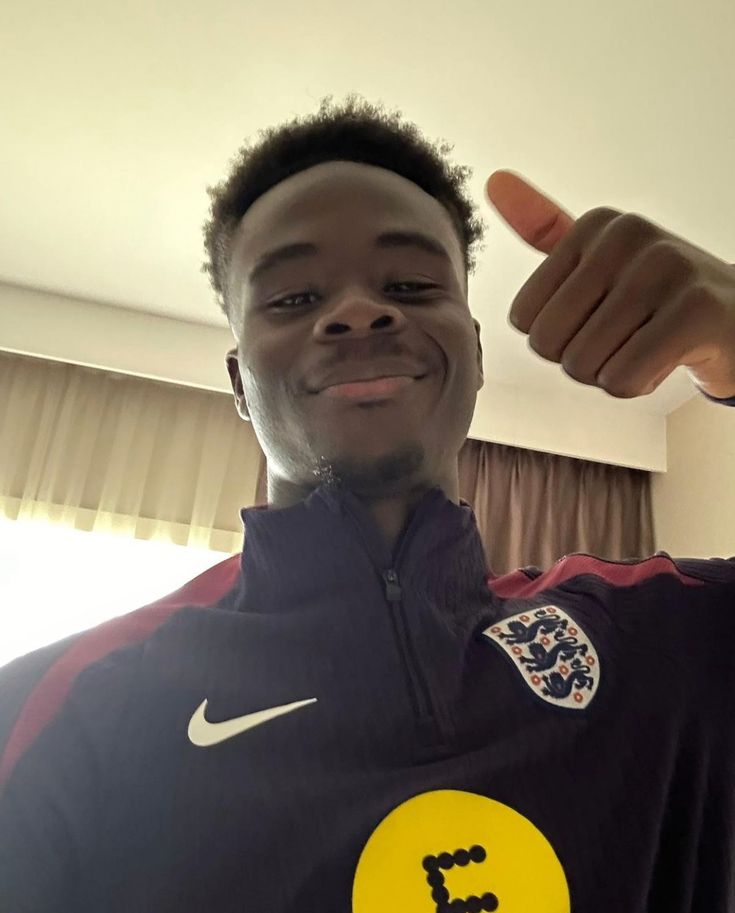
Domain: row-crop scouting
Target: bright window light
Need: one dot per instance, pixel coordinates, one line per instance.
(55, 581)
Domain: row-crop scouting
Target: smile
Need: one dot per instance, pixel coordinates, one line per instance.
(366, 390)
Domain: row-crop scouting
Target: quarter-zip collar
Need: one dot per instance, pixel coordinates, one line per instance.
(329, 545)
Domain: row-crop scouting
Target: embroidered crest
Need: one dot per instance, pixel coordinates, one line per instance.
(552, 653)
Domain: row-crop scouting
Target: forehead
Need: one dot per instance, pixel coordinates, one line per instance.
(343, 200)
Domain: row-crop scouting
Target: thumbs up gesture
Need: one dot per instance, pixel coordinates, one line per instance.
(619, 301)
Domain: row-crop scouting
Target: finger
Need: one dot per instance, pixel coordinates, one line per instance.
(561, 273)
(643, 362)
(540, 221)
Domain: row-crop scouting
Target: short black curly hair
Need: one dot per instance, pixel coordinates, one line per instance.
(352, 132)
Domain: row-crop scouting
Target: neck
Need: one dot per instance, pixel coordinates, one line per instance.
(390, 511)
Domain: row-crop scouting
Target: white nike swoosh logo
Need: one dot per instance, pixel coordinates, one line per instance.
(203, 733)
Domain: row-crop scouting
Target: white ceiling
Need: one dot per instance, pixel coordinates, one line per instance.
(116, 116)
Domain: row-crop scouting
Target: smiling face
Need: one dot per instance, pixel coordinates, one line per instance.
(351, 312)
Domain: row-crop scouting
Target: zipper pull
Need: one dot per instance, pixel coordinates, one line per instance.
(392, 585)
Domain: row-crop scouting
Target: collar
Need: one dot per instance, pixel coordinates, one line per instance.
(329, 547)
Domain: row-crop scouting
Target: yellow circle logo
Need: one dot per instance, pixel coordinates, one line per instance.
(450, 851)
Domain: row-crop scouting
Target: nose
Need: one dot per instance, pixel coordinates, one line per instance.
(358, 315)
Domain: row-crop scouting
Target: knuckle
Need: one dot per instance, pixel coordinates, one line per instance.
(600, 215)
(637, 223)
(631, 227)
(666, 254)
(698, 296)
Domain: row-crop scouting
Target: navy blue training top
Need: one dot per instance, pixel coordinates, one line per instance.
(323, 724)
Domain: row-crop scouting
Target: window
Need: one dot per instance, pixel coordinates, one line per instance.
(55, 581)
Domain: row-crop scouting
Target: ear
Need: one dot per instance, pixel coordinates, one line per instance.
(233, 369)
(480, 370)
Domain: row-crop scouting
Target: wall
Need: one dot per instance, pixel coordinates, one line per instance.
(694, 501)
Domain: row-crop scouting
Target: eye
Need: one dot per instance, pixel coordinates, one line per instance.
(282, 303)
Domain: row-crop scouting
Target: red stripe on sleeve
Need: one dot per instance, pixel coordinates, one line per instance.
(47, 698)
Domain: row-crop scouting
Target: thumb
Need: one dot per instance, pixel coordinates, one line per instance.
(540, 221)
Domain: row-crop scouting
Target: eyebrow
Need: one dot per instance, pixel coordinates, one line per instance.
(389, 239)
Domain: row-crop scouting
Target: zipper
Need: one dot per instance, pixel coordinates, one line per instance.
(418, 688)
(429, 730)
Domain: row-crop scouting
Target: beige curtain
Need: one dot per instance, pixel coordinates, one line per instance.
(107, 452)
(533, 508)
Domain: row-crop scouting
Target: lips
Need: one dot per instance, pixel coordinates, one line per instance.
(380, 388)
(353, 374)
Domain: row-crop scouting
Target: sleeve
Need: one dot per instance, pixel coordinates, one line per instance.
(46, 802)
(709, 570)
(723, 402)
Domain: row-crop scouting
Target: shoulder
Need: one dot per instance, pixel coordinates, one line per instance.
(20, 677)
(35, 687)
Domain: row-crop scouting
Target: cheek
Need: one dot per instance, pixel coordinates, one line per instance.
(258, 368)
(256, 383)
(460, 355)
(267, 385)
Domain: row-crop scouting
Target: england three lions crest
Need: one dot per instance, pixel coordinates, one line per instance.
(552, 653)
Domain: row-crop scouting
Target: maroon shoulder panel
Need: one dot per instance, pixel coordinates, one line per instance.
(517, 585)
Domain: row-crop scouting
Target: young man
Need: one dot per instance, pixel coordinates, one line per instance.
(355, 713)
